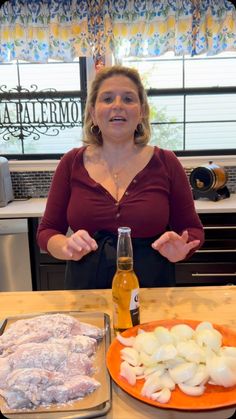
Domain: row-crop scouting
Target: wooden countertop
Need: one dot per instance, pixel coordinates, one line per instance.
(216, 304)
(34, 207)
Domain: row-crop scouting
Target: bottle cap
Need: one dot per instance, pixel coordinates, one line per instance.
(124, 230)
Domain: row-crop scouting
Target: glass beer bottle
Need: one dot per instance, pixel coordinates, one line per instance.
(125, 285)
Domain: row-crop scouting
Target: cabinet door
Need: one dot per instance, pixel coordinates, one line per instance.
(215, 262)
(205, 274)
(52, 277)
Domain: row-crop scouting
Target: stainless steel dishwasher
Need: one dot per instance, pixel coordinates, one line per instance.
(15, 269)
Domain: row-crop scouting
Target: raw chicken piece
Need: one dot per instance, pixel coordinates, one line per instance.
(23, 387)
(33, 387)
(78, 343)
(82, 328)
(47, 359)
(10, 342)
(5, 369)
(73, 388)
(41, 328)
(52, 357)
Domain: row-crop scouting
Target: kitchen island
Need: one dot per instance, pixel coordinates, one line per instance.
(214, 304)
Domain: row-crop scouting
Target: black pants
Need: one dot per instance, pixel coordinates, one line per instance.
(97, 269)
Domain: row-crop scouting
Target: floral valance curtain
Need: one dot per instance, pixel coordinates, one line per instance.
(215, 27)
(151, 27)
(36, 30)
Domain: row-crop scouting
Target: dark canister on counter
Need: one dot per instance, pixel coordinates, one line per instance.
(209, 181)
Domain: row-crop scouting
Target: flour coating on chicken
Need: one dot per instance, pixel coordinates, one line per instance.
(41, 328)
(33, 387)
(47, 359)
(52, 357)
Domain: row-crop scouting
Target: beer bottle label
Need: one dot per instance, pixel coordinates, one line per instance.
(115, 313)
(134, 307)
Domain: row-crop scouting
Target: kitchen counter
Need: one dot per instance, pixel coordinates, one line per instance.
(34, 207)
(215, 304)
(28, 208)
(203, 205)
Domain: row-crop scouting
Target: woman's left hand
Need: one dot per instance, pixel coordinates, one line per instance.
(173, 246)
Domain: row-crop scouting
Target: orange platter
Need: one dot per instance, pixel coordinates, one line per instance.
(213, 397)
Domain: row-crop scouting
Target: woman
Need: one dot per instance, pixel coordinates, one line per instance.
(117, 179)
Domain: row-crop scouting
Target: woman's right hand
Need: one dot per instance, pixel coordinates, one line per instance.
(78, 245)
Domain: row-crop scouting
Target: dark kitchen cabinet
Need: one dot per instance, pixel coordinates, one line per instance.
(215, 262)
(48, 273)
(51, 277)
(51, 273)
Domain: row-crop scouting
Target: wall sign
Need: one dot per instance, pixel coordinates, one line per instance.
(25, 113)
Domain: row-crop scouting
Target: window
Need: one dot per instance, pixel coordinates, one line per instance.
(192, 101)
(41, 107)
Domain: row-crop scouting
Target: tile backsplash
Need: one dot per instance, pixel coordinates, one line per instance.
(31, 184)
(36, 184)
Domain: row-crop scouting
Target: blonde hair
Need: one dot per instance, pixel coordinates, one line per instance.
(92, 134)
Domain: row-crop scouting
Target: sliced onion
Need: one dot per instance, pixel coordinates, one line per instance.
(183, 372)
(191, 390)
(152, 384)
(200, 377)
(191, 351)
(164, 353)
(160, 368)
(139, 372)
(162, 396)
(171, 363)
(203, 326)
(228, 351)
(209, 338)
(167, 381)
(163, 335)
(182, 356)
(146, 342)
(131, 356)
(126, 341)
(146, 360)
(128, 373)
(181, 332)
(220, 372)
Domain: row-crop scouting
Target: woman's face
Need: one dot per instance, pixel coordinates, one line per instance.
(117, 110)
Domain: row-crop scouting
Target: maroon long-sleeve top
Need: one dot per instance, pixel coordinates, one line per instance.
(158, 198)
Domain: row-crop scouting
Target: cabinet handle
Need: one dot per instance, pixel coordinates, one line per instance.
(216, 251)
(219, 227)
(216, 274)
